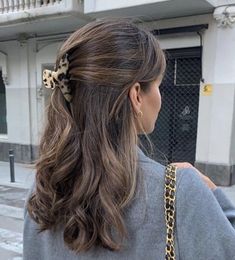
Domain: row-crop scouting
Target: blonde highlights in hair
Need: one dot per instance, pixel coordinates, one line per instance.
(87, 171)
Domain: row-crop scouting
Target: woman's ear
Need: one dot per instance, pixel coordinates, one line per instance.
(135, 97)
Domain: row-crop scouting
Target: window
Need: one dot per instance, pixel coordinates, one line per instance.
(3, 114)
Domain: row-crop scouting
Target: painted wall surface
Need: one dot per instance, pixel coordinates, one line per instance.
(178, 40)
(216, 111)
(45, 56)
(232, 145)
(102, 5)
(17, 93)
(205, 112)
(25, 106)
(221, 2)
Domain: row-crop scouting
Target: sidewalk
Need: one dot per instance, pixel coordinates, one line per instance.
(24, 175)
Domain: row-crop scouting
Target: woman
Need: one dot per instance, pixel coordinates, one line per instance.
(96, 195)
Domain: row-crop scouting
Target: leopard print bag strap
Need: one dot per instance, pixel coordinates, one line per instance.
(169, 205)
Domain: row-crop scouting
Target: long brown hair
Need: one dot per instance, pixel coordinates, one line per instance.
(86, 173)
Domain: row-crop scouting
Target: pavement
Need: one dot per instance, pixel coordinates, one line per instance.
(12, 199)
(24, 175)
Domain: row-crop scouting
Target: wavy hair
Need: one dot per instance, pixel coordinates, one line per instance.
(87, 171)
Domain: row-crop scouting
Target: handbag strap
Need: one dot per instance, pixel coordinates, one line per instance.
(169, 205)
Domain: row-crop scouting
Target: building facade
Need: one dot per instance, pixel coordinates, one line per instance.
(197, 120)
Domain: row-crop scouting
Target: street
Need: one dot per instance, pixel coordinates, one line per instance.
(11, 222)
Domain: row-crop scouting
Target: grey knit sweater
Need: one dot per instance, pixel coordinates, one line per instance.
(205, 223)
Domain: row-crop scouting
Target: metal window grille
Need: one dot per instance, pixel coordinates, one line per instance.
(175, 134)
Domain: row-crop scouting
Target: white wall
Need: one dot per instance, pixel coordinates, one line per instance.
(215, 125)
(178, 40)
(216, 111)
(221, 2)
(17, 94)
(232, 145)
(44, 57)
(178, 22)
(103, 5)
(25, 107)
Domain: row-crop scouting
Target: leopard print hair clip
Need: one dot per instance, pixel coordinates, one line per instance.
(59, 78)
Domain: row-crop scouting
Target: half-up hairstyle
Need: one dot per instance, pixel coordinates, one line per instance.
(87, 170)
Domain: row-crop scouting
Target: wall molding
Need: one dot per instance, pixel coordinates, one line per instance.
(220, 174)
(23, 153)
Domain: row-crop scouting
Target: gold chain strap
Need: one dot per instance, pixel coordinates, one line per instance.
(169, 200)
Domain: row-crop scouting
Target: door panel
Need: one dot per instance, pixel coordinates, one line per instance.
(175, 134)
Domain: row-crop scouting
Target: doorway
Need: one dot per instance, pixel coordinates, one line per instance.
(175, 134)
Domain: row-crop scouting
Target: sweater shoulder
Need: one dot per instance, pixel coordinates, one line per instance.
(154, 171)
